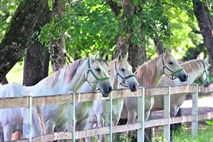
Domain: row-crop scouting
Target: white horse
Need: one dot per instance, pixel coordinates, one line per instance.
(148, 75)
(82, 109)
(196, 69)
(11, 119)
(69, 78)
(121, 76)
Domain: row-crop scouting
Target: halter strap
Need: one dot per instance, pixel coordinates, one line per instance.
(125, 77)
(94, 87)
(173, 72)
(204, 71)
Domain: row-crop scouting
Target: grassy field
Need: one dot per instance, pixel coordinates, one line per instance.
(205, 134)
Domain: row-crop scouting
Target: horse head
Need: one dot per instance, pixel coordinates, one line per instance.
(121, 71)
(205, 72)
(171, 67)
(98, 75)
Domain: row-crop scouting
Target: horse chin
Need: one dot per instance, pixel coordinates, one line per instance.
(105, 94)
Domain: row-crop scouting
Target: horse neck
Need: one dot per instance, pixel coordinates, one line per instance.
(113, 75)
(60, 86)
(193, 69)
(150, 73)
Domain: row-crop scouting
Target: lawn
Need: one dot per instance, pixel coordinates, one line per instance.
(205, 134)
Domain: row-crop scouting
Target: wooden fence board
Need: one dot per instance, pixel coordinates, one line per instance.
(53, 137)
(14, 102)
(62, 99)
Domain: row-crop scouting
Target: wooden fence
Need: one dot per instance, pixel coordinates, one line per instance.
(140, 125)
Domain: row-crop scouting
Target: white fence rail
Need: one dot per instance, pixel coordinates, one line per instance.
(29, 102)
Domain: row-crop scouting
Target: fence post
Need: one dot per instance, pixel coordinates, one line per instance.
(195, 113)
(141, 110)
(111, 117)
(71, 116)
(167, 115)
(27, 124)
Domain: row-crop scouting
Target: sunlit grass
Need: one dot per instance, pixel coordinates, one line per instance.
(15, 74)
(184, 135)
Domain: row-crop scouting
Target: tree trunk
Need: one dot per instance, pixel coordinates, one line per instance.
(57, 47)
(205, 23)
(34, 66)
(158, 44)
(20, 28)
(137, 54)
(4, 81)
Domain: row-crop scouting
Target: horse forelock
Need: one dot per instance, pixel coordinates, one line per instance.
(192, 65)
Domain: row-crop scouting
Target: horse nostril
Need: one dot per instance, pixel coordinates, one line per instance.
(185, 76)
(134, 86)
(110, 88)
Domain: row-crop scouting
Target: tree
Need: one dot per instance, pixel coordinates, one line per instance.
(205, 23)
(57, 44)
(36, 60)
(132, 40)
(21, 26)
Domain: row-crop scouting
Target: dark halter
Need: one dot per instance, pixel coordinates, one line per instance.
(173, 72)
(94, 87)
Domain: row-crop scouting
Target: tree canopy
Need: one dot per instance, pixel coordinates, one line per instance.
(91, 25)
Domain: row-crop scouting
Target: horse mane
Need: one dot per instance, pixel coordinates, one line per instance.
(112, 66)
(192, 65)
(68, 70)
(146, 72)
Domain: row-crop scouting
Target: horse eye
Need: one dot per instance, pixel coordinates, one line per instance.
(171, 63)
(98, 69)
(122, 69)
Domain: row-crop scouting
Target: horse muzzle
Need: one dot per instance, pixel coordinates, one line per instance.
(182, 76)
(207, 83)
(133, 86)
(105, 89)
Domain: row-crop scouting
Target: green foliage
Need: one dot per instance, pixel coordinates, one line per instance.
(209, 122)
(89, 26)
(7, 9)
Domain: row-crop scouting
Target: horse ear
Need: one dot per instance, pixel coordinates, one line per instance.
(199, 57)
(168, 51)
(106, 57)
(206, 59)
(126, 56)
(96, 56)
(119, 57)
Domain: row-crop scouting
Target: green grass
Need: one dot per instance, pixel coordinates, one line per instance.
(16, 73)
(184, 135)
